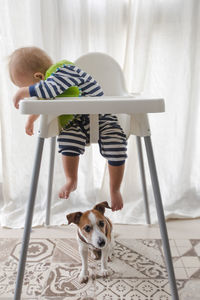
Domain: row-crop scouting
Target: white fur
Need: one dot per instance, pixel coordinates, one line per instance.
(96, 233)
(83, 250)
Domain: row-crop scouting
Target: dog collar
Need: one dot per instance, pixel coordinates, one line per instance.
(82, 238)
(84, 241)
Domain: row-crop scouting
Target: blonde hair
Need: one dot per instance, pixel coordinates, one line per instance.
(29, 59)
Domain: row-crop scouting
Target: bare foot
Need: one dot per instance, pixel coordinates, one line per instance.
(69, 187)
(116, 200)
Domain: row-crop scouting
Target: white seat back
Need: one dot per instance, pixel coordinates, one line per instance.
(106, 71)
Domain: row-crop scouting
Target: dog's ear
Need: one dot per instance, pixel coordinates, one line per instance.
(74, 217)
(101, 207)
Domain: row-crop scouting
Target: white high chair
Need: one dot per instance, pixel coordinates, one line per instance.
(116, 101)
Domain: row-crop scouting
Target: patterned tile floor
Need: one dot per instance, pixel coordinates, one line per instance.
(137, 270)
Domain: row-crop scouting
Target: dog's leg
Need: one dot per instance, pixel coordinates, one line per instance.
(104, 260)
(84, 275)
(111, 248)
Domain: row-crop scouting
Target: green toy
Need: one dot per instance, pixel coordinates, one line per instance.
(72, 91)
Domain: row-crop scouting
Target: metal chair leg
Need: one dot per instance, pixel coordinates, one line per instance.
(50, 179)
(161, 218)
(143, 179)
(28, 221)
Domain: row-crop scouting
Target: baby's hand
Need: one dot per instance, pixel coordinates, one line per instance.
(21, 94)
(29, 128)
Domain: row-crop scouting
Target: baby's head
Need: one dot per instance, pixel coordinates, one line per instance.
(28, 65)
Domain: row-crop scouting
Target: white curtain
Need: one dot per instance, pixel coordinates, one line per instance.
(157, 43)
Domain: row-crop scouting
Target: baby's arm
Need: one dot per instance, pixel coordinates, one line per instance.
(56, 84)
(22, 93)
(30, 124)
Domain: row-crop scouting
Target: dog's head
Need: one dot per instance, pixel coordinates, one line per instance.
(94, 227)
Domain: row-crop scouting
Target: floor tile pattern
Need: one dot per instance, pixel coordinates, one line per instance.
(137, 270)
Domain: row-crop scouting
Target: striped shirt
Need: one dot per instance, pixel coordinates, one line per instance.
(65, 77)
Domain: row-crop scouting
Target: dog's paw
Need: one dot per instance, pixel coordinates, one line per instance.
(83, 277)
(105, 273)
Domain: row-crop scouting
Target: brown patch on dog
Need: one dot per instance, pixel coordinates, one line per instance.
(108, 229)
(101, 207)
(74, 217)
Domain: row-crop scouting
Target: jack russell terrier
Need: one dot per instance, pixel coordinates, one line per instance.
(94, 231)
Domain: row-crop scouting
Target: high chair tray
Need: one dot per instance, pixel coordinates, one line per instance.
(93, 105)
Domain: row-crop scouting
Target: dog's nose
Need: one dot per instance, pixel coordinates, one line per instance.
(101, 242)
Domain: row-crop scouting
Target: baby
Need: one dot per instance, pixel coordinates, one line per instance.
(28, 67)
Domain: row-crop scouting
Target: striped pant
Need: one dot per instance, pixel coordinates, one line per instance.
(112, 140)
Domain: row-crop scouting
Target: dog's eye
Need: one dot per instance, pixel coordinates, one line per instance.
(87, 228)
(101, 223)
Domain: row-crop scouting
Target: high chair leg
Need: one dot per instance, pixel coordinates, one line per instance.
(28, 221)
(50, 179)
(143, 179)
(161, 218)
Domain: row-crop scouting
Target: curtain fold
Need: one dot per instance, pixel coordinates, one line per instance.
(157, 43)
